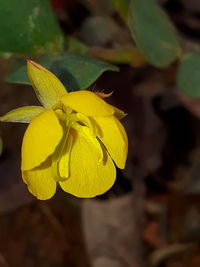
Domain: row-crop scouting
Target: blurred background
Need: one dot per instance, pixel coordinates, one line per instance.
(147, 53)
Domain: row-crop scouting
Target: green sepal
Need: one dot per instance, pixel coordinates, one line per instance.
(22, 114)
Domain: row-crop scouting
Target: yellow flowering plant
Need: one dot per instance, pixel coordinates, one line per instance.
(73, 139)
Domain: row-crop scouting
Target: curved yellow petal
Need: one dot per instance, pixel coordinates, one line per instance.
(63, 165)
(22, 114)
(47, 86)
(84, 120)
(114, 137)
(91, 139)
(60, 152)
(88, 103)
(41, 139)
(40, 181)
(88, 177)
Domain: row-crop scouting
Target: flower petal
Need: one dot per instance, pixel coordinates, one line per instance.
(40, 181)
(41, 139)
(47, 86)
(88, 177)
(84, 120)
(88, 103)
(114, 137)
(63, 164)
(22, 114)
(91, 139)
(58, 153)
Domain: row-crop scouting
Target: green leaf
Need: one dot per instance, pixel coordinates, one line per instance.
(188, 77)
(153, 32)
(5, 55)
(28, 27)
(76, 46)
(76, 72)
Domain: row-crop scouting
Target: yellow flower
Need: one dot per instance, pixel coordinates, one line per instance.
(73, 140)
